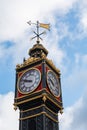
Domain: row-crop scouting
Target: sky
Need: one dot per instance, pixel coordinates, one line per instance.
(67, 45)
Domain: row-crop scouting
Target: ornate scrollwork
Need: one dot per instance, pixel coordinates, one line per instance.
(27, 62)
(51, 63)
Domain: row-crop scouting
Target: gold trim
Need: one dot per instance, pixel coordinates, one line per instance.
(21, 77)
(32, 60)
(30, 94)
(38, 97)
(53, 95)
(40, 47)
(52, 65)
(51, 118)
(27, 62)
(28, 100)
(22, 71)
(43, 105)
(32, 116)
(37, 92)
(38, 115)
(51, 111)
(57, 85)
(54, 102)
(33, 108)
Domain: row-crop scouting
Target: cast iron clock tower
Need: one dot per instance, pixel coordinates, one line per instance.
(38, 92)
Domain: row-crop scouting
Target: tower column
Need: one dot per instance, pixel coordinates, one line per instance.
(38, 93)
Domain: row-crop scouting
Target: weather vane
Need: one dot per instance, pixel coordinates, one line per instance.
(38, 25)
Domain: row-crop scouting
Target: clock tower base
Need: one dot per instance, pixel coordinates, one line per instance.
(39, 118)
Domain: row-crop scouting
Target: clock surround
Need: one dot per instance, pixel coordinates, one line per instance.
(29, 81)
(53, 83)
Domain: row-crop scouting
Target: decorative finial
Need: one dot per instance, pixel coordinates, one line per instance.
(37, 34)
(61, 111)
(24, 59)
(15, 108)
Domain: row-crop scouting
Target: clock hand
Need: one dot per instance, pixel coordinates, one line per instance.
(25, 80)
(51, 82)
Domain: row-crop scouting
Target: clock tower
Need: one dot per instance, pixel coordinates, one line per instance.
(38, 93)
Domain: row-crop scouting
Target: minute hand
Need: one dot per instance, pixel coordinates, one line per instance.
(25, 80)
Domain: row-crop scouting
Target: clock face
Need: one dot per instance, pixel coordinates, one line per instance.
(53, 83)
(29, 81)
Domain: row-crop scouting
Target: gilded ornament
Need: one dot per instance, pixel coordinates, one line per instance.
(44, 98)
(15, 108)
(61, 111)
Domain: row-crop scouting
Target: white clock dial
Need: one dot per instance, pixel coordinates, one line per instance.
(29, 81)
(53, 83)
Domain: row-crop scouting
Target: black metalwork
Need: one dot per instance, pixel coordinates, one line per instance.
(37, 34)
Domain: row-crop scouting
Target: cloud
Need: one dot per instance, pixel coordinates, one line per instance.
(75, 116)
(83, 13)
(13, 26)
(14, 14)
(82, 18)
(8, 116)
(78, 73)
(2, 51)
(74, 78)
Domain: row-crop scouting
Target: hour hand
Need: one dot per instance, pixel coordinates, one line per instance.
(51, 81)
(26, 80)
